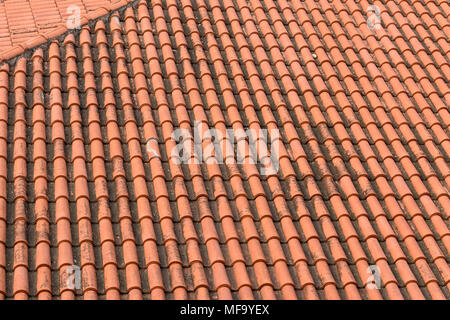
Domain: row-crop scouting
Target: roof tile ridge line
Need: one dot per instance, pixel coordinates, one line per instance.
(60, 32)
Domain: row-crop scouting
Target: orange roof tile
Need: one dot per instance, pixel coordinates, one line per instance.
(357, 190)
(25, 24)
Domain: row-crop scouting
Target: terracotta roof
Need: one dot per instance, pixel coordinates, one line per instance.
(25, 24)
(88, 177)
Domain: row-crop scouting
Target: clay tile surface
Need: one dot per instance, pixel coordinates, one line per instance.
(226, 149)
(25, 24)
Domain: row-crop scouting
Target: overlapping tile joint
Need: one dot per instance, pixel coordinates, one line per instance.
(363, 185)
